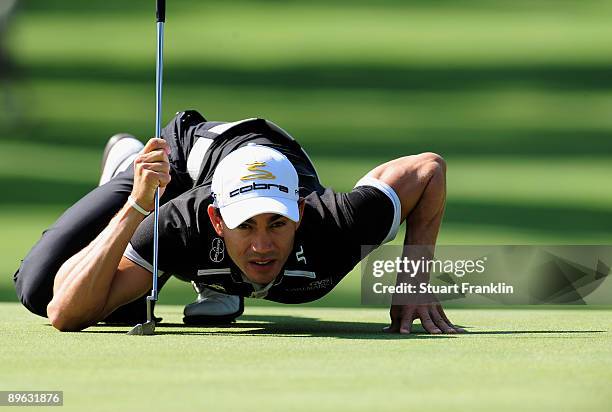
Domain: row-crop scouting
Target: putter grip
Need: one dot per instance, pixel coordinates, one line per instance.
(161, 10)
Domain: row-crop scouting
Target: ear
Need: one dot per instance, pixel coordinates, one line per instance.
(301, 205)
(215, 218)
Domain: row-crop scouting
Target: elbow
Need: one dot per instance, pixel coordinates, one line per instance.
(59, 320)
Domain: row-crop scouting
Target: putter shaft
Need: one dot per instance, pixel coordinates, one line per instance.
(158, 113)
(148, 328)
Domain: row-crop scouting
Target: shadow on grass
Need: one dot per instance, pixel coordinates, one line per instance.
(360, 141)
(576, 221)
(339, 76)
(79, 8)
(7, 293)
(528, 332)
(33, 191)
(293, 326)
(282, 326)
(572, 222)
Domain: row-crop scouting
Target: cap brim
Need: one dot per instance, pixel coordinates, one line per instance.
(236, 213)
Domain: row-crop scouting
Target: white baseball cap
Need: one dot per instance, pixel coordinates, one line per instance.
(252, 180)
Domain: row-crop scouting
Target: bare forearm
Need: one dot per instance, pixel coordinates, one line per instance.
(72, 265)
(82, 284)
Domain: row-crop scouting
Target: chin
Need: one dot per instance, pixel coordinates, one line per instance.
(262, 275)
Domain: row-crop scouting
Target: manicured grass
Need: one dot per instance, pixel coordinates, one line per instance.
(304, 359)
(260, 33)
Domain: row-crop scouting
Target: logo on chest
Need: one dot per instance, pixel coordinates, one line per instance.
(217, 286)
(217, 250)
(299, 255)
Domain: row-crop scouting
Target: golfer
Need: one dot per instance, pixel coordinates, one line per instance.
(243, 214)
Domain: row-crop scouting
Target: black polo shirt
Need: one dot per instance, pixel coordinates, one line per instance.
(327, 243)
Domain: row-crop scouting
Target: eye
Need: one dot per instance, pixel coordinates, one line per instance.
(243, 226)
(279, 223)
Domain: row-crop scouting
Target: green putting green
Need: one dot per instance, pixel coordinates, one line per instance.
(304, 359)
(516, 96)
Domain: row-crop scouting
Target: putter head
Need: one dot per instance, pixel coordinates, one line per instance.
(142, 329)
(147, 328)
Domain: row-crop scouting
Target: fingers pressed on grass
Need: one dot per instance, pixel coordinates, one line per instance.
(393, 327)
(426, 321)
(395, 322)
(406, 321)
(441, 312)
(439, 321)
(448, 322)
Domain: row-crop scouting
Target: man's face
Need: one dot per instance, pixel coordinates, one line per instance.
(260, 245)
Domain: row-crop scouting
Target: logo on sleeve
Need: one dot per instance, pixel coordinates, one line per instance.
(217, 251)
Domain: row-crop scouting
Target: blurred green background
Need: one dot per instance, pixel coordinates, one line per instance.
(516, 95)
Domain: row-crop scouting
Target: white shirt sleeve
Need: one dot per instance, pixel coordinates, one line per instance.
(132, 255)
(397, 206)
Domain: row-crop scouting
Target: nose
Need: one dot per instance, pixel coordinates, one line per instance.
(262, 243)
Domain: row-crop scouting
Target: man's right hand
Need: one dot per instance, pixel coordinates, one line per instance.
(151, 169)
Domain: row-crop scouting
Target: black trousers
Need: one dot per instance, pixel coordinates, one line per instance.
(74, 230)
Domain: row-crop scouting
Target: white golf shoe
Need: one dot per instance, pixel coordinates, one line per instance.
(119, 153)
(212, 307)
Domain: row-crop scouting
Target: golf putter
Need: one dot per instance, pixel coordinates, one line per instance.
(148, 328)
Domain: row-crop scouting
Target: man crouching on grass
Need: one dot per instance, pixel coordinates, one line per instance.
(243, 215)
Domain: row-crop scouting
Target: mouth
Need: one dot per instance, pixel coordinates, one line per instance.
(261, 265)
